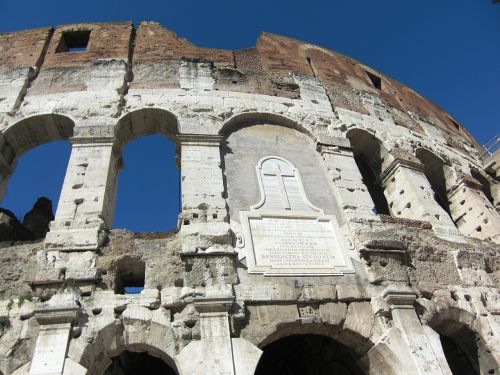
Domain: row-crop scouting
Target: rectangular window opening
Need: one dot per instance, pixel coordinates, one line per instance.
(375, 80)
(74, 41)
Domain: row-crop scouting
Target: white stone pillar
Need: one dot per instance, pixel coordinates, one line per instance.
(213, 353)
(410, 195)
(216, 353)
(401, 300)
(473, 212)
(87, 201)
(204, 216)
(351, 193)
(53, 338)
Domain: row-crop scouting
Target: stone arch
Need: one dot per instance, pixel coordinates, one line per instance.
(349, 343)
(243, 120)
(458, 343)
(27, 133)
(146, 121)
(371, 156)
(153, 335)
(24, 135)
(347, 337)
(439, 174)
(146, 353)
(34, 131)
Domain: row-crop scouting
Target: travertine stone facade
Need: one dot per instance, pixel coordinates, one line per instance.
(285, 259)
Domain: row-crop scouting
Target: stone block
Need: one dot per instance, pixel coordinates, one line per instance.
(359, 318)
(351, 292)
(274, 314)
(333, 312)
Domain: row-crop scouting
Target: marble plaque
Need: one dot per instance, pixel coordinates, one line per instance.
(285, 234)
(293, 245)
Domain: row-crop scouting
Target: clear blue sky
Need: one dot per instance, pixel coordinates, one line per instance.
(447, 50)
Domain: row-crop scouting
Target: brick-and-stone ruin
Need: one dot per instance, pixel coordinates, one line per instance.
(332, 220)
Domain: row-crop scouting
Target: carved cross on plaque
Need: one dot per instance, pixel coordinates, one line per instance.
(276, 171)
(281, 187)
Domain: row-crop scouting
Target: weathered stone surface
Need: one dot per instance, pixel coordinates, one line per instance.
(389, 293)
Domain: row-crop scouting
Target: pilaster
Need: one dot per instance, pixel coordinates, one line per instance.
(410, 195)
(213, 353)
(473, 213)
(351, 193)
(53, 338)
(401, 300)
(204, 216)
(86, 204)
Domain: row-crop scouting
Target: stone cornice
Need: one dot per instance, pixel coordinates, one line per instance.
(213, 304)
(56, 315)
(399, 297)
(200, 139)
(92, 140)
(331, 141)
(465, 181)
(399, 162)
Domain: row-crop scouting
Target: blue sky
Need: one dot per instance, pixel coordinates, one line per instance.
(447, 50)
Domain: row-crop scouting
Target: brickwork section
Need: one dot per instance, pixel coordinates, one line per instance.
(106, 41)
(23, 48)
(154, 43)
(267, 69)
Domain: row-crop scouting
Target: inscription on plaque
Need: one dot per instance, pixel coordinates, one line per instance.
(294, 243)
(284, 233)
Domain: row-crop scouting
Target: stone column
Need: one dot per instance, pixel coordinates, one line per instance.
(204, 216)
(351, 193)
(53, 338)
(213, 353)
(401, 300)
(472, 211)
(216, 352)
(86, 204)
(410, 195)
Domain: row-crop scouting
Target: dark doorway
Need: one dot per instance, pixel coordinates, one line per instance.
(307, 355)
(132, 363)
(460, 363)
(465, 352)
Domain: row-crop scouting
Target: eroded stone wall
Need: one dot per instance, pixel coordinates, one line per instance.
(395, 293)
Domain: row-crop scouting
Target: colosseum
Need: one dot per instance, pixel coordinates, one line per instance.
(332, 220)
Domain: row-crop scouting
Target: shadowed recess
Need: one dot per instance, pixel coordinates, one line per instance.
(307, 355)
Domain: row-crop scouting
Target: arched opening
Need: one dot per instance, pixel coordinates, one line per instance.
(148, 196)
(369, 155)
(434, 170)
(307, 354)
(243, 120)
(465, 351)
(132, 363)
(38, 149)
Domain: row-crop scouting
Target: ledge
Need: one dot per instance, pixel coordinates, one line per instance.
(407, 222)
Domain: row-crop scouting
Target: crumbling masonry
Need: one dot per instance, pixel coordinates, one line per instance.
(332, 221)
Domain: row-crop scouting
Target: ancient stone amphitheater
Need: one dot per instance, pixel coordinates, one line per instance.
(333, 221)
